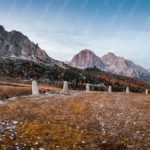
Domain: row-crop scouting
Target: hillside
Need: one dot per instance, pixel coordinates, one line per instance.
(54, 75)
(21, 59)
(96, 120)
(10, 87)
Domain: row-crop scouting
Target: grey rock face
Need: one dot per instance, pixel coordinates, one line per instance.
(121, 66)
(15, 45)
(86, 59)
(110, 63)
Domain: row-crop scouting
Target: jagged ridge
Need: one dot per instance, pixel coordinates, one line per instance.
(109, 63)
(15, 45)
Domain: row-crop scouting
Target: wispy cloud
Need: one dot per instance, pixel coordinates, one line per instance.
(63, 29)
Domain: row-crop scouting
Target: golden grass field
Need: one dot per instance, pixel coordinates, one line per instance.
(78, 121)
(10, 88)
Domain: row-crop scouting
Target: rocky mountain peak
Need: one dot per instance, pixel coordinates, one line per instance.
(109, 63)
(2, 28)
(119, 65)
(86, 51)
(18, 35)
(85, 59)
(2, 31)
(15, 45)
(111, 54)
(109, 57)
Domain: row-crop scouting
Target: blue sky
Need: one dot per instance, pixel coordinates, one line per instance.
(64, 27)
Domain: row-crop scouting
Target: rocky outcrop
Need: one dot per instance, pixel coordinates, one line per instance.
(15, 45)
(110, 63)
(86, 59)
(119, 65)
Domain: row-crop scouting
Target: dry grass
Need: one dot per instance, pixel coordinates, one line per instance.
(13, 89)
(78, 121)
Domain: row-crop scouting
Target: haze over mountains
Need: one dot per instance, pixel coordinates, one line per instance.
(14, 45)
(109, 63)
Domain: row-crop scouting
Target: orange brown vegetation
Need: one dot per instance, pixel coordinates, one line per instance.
(14, 88)
(92, 121)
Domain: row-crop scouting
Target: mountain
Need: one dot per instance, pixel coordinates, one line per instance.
(119, 65)
(21, 70)
(86, 59)
(22, 59)
(15, 45)
(110, 63)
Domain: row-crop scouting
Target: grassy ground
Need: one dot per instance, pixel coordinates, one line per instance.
(88, 121)
(13, 89)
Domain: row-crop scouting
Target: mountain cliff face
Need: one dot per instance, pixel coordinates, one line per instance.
(121, 66)
(110, 63)
(15, 45)
(86, 58)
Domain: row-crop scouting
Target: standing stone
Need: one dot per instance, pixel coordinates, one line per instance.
(110, 89)
(35, 89)
(92, 88)
(146, 91)
(127, 90)
(65, 87)
(88, 87)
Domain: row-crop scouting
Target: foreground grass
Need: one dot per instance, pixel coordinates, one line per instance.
(8, 90)
(78, 121)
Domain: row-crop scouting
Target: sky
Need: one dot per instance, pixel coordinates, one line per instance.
(64, 27)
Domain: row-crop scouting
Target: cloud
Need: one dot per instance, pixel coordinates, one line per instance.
(63, 44)
(61, 40)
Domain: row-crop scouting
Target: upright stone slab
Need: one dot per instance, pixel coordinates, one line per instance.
(65, 87)
(92, 88)
(110, 89)
(127, 90)
(87, 87)
(146, 91)
(35, 89)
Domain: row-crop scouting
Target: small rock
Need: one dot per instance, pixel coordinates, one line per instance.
(103, 142)
(41, 148)
(36, 143)
(15, 122)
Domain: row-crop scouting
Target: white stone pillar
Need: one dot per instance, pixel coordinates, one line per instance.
(87, 87)
(146, 91)
(35, 89)
(110, 89)
(65, 87)
(127, 90)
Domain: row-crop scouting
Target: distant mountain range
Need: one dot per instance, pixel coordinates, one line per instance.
(20, 57)
(109, 63)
